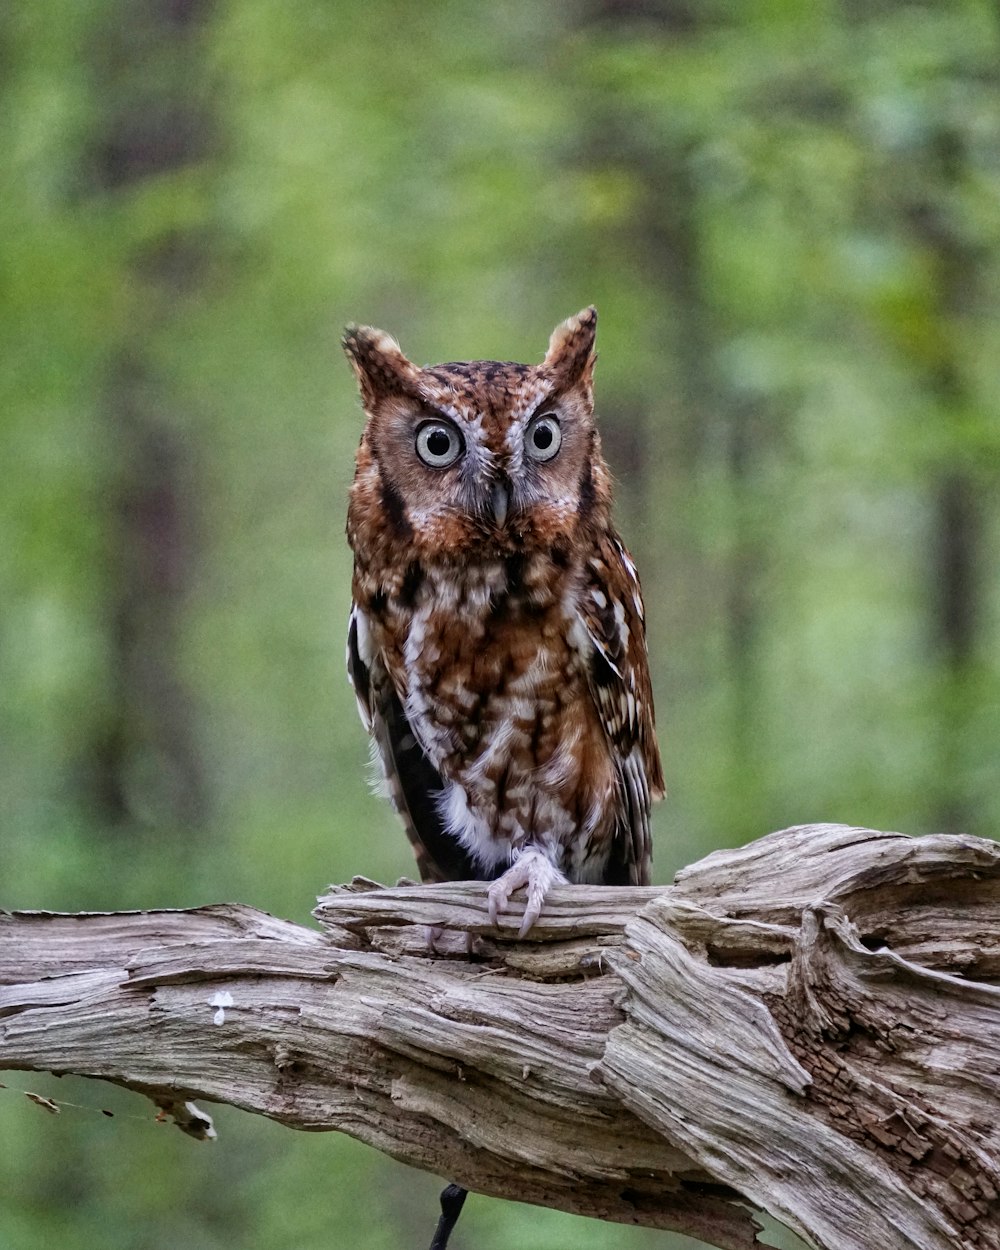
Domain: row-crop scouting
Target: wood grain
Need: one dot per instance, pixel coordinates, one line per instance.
(808, 1025)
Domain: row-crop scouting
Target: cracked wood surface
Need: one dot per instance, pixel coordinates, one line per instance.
(809, 1024)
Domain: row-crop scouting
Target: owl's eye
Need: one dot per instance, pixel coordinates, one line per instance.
(543, 438)
(439, 444)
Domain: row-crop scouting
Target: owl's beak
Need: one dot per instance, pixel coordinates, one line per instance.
(500, 502)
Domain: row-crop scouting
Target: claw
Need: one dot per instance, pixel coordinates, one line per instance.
(532, 869)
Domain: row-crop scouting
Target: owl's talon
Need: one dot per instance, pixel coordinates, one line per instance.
(531, 914)
(531, 869)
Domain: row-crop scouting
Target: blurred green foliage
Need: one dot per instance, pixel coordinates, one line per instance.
(787, 214)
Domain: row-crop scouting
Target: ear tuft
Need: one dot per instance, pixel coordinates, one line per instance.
(377, 361)
(571, 348)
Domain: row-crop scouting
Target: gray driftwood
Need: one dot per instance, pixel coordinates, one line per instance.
(808, 1025)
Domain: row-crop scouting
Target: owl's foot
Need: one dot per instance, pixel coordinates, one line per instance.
(533, 870)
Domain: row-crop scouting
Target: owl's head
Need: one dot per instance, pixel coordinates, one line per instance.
(484, 455)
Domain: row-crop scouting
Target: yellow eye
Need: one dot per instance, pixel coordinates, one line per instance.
(439, 444)
(543, 437)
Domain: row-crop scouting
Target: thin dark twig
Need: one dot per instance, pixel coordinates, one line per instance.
(452, 1200)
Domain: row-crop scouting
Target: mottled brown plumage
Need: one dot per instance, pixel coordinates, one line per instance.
(497, 641)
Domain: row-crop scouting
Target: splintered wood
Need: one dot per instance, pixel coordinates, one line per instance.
(809, 1025)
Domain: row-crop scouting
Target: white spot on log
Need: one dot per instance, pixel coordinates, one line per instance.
(220, 999)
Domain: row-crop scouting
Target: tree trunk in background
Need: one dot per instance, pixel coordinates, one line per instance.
(954, 568)
(710, 441)
(144, 766)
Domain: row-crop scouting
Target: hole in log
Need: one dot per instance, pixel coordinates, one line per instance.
(741, 957)
(710, 1189)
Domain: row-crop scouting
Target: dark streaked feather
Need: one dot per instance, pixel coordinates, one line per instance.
(618, 676)
(415, 784)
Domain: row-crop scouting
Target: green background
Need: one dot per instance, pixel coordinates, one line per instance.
(787, 214)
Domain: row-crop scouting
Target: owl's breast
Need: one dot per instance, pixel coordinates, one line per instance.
(496, 695)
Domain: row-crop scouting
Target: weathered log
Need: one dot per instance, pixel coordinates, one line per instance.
(809, 1025)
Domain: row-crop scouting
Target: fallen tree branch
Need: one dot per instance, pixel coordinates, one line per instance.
(809, 1025)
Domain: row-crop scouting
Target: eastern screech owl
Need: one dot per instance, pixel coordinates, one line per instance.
(497, 644)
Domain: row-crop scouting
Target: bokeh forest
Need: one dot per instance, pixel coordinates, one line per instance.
(788, 215)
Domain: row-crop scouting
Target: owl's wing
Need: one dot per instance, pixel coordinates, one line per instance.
(618, 675)
(414, 783)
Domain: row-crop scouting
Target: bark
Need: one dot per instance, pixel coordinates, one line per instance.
(808, 1025)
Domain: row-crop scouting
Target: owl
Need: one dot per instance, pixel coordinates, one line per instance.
(497, 639)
